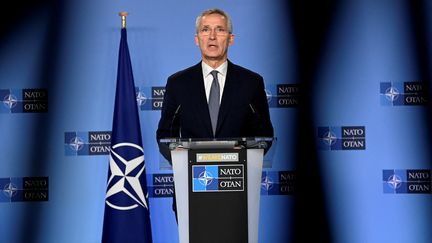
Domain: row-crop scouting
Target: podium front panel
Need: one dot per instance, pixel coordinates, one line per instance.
(180, 158)
(218, 210)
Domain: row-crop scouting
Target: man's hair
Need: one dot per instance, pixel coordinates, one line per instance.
(214, 11)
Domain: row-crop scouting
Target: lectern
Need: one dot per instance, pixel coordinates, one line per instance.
(217, 187)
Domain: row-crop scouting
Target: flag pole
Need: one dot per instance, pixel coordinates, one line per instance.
(123, 19)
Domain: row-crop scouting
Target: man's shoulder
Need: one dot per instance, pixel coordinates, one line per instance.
(243, 71)
(186, 72)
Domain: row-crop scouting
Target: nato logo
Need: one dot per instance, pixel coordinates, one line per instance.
(24, 100)
(163, 185)
(11, 190)
(283, 95)
(205, 178)
(342, 138)
(407, 181)
(125, 187)
(24, 189)
(217, 178)
(150, 98)
(87, 143)
(277, 183)
(403, 93)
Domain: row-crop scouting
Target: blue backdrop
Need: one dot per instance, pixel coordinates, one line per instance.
(349, 104)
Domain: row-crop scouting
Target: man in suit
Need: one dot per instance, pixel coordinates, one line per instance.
(214, 98)
(243, 108)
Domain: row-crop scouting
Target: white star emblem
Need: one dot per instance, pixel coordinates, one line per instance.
(126, 177)
(267, 183)
(329, 138)
(10, 101)
(391, 94)
(205, 178)
(141, 98)
(76, 143)
(10, 190)
(394, 181)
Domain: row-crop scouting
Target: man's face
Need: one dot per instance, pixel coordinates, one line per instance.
(213, 37)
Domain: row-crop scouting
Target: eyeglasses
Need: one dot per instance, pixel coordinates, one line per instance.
(218, 30)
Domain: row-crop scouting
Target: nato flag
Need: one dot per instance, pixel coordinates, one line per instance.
(126, 218)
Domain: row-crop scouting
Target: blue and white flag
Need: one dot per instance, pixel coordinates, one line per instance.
(127, 216)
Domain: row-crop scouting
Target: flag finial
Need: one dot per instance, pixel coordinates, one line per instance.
(123, 19)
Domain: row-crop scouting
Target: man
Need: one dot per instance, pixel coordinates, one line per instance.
(236, 105)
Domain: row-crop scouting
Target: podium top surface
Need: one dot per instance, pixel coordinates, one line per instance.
(225, 143)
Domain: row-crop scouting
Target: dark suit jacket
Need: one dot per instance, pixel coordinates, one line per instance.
(243, 111)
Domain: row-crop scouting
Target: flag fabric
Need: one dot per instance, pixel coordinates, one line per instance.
(127, 217)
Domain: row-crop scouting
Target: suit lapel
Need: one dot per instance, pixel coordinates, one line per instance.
(197, 87)
(228, 96)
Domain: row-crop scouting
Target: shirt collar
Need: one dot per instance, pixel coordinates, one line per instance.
(222, 69)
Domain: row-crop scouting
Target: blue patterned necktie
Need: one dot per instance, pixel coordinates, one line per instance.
(213, 102)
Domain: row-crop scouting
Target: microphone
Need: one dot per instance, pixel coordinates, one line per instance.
(258, 119)
(251, 106)
(173, 119)
(261, 144)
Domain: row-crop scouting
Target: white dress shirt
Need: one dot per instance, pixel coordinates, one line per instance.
(208, 78)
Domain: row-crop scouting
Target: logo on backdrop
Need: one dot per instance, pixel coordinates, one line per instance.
(124, 184)
(342, 138)
(163, 185)
(407, 181)
(24, 100)
(283, 95)
(277, 183)
(217, 178)
(150, 98)
(403, 93)
(87, 143)
(24, 189)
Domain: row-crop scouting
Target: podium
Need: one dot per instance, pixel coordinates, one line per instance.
(217, 187)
